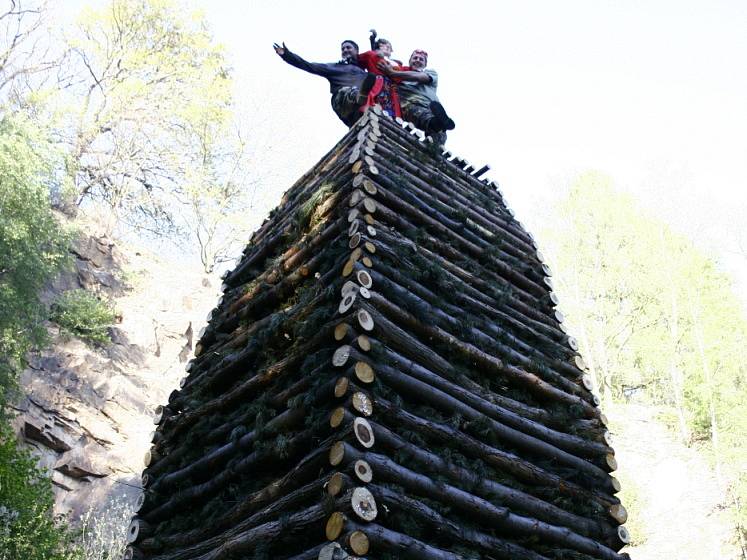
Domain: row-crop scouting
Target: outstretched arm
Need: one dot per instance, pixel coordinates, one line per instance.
(372, 39)
(407, 75)
(294, 60)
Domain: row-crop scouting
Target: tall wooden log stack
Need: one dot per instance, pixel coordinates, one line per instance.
(386, 376)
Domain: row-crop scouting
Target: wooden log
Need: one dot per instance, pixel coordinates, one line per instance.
(335, 525)
(525, 379)
(396, 378)
(138, 530)
(363, 505)
(487, 488)
(304, 473)
(508, 325)
(479, 508)
(466, 536)
(483, 401)
(457, 188)
(477, 288)
(240, 543)
(618, 513)
(199, 492)
(449, 324)
(522, 469)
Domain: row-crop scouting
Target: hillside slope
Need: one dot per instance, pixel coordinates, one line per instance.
(87, 410)
(680, 503)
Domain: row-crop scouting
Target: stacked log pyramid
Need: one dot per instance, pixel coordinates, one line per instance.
(386, 376)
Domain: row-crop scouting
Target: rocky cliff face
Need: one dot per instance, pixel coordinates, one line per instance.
(87, 410)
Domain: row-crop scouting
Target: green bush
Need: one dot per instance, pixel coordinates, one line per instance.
(27, 528)
(82, 314)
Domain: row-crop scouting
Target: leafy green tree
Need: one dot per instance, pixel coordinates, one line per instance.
(33, 246)
(33, 249)
(153, 76)
(655, 318)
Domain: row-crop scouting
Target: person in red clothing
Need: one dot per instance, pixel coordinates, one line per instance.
(380, 88)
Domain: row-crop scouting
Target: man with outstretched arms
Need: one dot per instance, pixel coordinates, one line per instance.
(345, 78)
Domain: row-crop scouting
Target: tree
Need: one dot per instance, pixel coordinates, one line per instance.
(656, 318)
(33, 249)
(33, 246)
(153, 77)
(25, 54)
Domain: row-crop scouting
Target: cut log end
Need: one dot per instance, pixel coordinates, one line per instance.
(364, 372)
(369, 186)
(337, 417)
(369, 204)
(619, 513)
(331, 551)
(364, 504)
(587, 382)
(616, 486)
(363, 432)
(579, 362)
(611, 462)
(336, 484)
(364, 343)
(362, 403)
(359, 543)
(341, 387)
(363, 471)
(347, 269)
(341, 355)
(365, 320)
(623, 534)
(364, 279)
(335, 525)
(341, 331)
(336, 453)
(346, 303)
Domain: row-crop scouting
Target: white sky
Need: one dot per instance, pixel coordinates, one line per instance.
(652, 93)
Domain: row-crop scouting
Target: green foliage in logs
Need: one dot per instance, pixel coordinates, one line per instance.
(656, 319)
(80, 313)
(305, 214)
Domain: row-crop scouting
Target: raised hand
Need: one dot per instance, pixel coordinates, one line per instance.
(278, 49)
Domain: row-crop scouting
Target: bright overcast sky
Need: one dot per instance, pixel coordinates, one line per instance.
(653, 93)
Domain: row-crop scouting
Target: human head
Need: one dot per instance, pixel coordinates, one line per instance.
(418, 59)
(383, 47)
(349, 50)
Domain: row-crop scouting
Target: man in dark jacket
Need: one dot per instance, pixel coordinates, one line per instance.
(347, 81)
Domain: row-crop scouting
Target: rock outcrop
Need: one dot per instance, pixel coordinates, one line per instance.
(87, 409)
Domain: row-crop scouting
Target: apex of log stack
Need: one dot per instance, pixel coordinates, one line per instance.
(386, 375)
